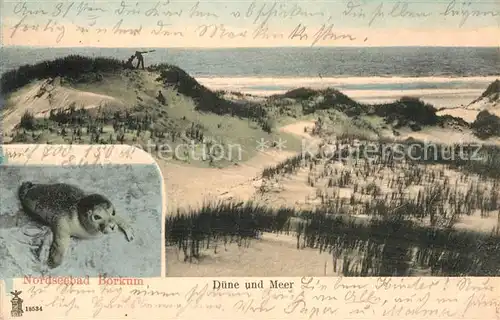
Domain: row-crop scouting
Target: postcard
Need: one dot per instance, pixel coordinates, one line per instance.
(279, 159)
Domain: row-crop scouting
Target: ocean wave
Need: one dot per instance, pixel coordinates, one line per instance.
(439, 91)
(271, 85)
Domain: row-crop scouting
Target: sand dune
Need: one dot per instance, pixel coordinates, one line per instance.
(189, 186)
(273, 255)
(41, 96)
(489, 100)
(466, 114)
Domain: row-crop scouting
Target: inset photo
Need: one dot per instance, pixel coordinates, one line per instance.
(89, 221)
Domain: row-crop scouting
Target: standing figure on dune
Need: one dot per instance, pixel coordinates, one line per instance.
(140, 58)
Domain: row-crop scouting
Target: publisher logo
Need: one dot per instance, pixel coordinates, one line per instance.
(17, 304)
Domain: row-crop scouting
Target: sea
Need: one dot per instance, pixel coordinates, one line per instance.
(444, 76)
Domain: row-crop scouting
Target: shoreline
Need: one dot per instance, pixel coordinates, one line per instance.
(389, 79)
(270, 85)
(439, 91)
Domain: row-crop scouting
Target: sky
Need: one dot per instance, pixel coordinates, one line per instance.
(247, 23)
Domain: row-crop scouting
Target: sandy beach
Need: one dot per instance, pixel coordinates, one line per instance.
(361, 88)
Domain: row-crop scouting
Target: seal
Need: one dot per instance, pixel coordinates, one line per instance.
(69, 212)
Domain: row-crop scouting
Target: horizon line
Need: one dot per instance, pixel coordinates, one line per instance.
(249, 47)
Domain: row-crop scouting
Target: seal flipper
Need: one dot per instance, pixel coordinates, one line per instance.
(125, 227)
(60, 244)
